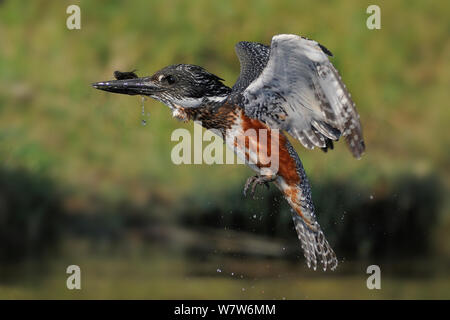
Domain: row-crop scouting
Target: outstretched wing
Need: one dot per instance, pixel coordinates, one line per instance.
(300, 91)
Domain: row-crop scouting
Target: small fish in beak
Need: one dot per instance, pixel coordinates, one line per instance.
(125, 75)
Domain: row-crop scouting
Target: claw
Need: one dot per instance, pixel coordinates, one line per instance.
(250, 181)
(254, 181)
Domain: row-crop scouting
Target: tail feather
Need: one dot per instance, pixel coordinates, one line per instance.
(314, 244)
(294, 184)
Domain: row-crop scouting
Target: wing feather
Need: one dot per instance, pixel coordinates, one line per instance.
(300, 91)
(253, 58)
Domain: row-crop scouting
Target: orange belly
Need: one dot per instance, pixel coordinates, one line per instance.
(288, 179)
(275, 149)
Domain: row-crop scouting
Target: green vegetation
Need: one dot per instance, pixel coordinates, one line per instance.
(76, 165)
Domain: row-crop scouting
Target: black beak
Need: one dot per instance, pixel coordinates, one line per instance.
(138, 86)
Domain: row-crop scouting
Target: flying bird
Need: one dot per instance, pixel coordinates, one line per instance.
(291, 87)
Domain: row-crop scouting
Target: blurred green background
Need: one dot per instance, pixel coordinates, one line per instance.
(83, 182)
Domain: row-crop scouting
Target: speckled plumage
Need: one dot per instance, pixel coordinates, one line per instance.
(290, 86)
(253, 58)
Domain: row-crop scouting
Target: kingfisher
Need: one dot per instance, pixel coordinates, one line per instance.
(290, 87)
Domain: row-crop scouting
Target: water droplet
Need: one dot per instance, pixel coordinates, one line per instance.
(143, 105)
(144, 121)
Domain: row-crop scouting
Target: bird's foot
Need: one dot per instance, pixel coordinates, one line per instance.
(254, 181)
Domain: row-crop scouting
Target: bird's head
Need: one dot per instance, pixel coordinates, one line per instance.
(181, 85)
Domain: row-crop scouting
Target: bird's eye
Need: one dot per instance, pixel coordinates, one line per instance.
(169, 79)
